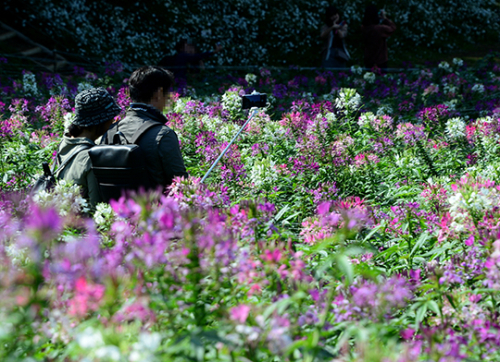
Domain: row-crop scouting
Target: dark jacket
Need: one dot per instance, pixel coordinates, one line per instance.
(159, 145)
(79, 169)
(375, 39)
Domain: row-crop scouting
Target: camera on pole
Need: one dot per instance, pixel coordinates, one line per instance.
(254, 101)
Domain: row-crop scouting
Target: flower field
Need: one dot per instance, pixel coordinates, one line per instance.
(355, 219)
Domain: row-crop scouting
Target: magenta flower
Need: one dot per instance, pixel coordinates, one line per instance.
(407, 334)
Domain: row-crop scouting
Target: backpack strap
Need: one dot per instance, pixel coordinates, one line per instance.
(72, 155)
(142, 129)
(112, 135)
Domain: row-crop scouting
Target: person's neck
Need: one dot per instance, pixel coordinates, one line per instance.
(87, 134)
(153, 104)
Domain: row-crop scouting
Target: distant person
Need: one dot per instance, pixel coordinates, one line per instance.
(376, 29)
(150, 88)
(95, 110)
(185, 58)
(334, 53)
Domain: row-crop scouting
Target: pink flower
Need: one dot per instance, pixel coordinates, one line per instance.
(254, 289)
(323, 208)
(240, 313)
(87, 297)
(470, 241)
(272, 256)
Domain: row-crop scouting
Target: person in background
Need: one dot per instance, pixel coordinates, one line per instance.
(95, 110)
(150, 88)
(376, 29)
(186, 57)
(334, 53)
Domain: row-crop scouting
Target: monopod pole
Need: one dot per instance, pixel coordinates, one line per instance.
(229, 145)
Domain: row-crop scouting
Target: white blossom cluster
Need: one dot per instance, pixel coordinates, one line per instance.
(369, 77)
(68, 119)
(384, 109)
(455, 128)
(65, 197)
(30, 87)
(93, 342)
(476, 202)
(250, 78)
(458, 62)
(348, 99)
(83, 86)
(366, 119)
(478, 88)
(445, 66)
(231, 101)
(263, 173)
(356, 69)
(104, 216)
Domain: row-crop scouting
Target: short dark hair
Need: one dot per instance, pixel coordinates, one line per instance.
(146, 80)
(75, 131)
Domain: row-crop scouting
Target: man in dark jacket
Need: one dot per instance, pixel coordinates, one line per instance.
(149, 91)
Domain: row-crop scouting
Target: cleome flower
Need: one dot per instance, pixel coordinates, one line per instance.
(455, 128)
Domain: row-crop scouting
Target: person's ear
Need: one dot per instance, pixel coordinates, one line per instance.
(158, 94)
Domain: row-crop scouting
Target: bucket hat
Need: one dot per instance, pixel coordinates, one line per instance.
(93, 107)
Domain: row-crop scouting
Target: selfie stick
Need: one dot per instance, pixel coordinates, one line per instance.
(229, 145)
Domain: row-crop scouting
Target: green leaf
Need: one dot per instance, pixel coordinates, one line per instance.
(345, 266)
(279, 306)
(373, 232)
(434, 307)
(420, 315)
(421, 240)
(282, 212)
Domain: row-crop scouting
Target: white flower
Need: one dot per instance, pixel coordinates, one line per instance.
(68, 119)
(365, 119)
(263, 172)
(65, 197)
(29, 85)
(250, 78)
(457, 61)
(384, 109)
(144, 349)
(478, 88)
(448, 88)
(84, 86)
(231, 101)
(356, 69)
(330, 117)
(444, 65)
(348, 99)
(90, 338)
(103, 214)
(17, 255)
(451, 104)
(369, 77)
(455, 128)
(109, 353)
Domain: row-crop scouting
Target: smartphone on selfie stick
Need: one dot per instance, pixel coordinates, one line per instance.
(254, 100)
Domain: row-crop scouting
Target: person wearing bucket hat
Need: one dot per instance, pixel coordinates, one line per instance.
(95, 110)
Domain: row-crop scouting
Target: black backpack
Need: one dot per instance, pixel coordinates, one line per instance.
(119, 167)
(47, 181)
